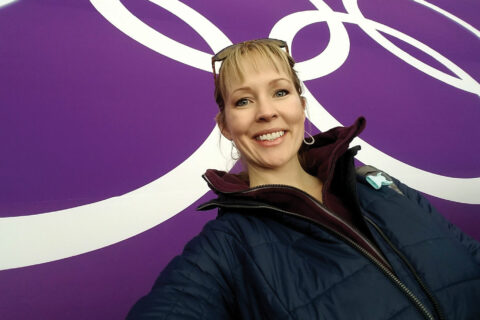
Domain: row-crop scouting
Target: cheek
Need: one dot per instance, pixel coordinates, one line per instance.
(297, 117)
(235, 125)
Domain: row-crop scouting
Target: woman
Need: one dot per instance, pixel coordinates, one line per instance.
(301, 235)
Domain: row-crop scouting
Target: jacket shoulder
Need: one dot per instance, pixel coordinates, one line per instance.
(197, 283)
(412, 205)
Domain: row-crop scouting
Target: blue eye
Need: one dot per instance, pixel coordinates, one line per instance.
(281, 93)
(241, 102)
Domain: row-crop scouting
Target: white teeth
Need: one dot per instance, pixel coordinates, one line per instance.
(271, 136)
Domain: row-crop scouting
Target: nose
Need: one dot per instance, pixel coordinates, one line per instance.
(266, 110)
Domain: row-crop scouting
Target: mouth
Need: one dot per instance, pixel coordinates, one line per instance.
(270, 136)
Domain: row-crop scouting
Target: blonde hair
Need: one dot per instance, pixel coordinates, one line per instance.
(254, 50)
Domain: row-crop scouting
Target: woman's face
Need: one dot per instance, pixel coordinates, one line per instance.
(264, 116)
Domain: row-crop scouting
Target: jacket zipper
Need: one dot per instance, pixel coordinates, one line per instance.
(427, 291)
(367, 254)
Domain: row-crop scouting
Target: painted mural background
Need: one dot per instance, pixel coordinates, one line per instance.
(107, 123)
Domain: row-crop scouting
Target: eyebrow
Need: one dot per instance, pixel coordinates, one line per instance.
(274, 81)
(280, 79)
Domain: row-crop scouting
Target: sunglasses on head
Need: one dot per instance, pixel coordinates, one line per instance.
(225, 52)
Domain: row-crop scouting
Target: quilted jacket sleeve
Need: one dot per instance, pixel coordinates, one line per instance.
(471, 244)
(194, 285)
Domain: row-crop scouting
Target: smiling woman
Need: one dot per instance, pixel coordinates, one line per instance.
(301, 235)
(264, 118)
(263, 113)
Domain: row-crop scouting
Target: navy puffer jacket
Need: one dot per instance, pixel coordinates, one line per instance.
(255, 262)
(258, 260)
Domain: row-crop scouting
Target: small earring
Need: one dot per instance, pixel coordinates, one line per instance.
(234, 153)
(312, 139)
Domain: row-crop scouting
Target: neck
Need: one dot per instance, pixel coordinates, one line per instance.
(292, 175)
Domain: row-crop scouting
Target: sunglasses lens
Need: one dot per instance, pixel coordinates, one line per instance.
(222, 54)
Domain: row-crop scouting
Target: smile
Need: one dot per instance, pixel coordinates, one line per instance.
(270, 136)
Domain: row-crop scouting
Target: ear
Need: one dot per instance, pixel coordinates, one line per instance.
(304, 105)
(220, 120)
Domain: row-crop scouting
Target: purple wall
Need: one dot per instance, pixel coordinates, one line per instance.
(106, 124)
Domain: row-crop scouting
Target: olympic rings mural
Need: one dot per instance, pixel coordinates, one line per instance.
(139, 210)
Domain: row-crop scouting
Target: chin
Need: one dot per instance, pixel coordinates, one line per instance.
(273, 163)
